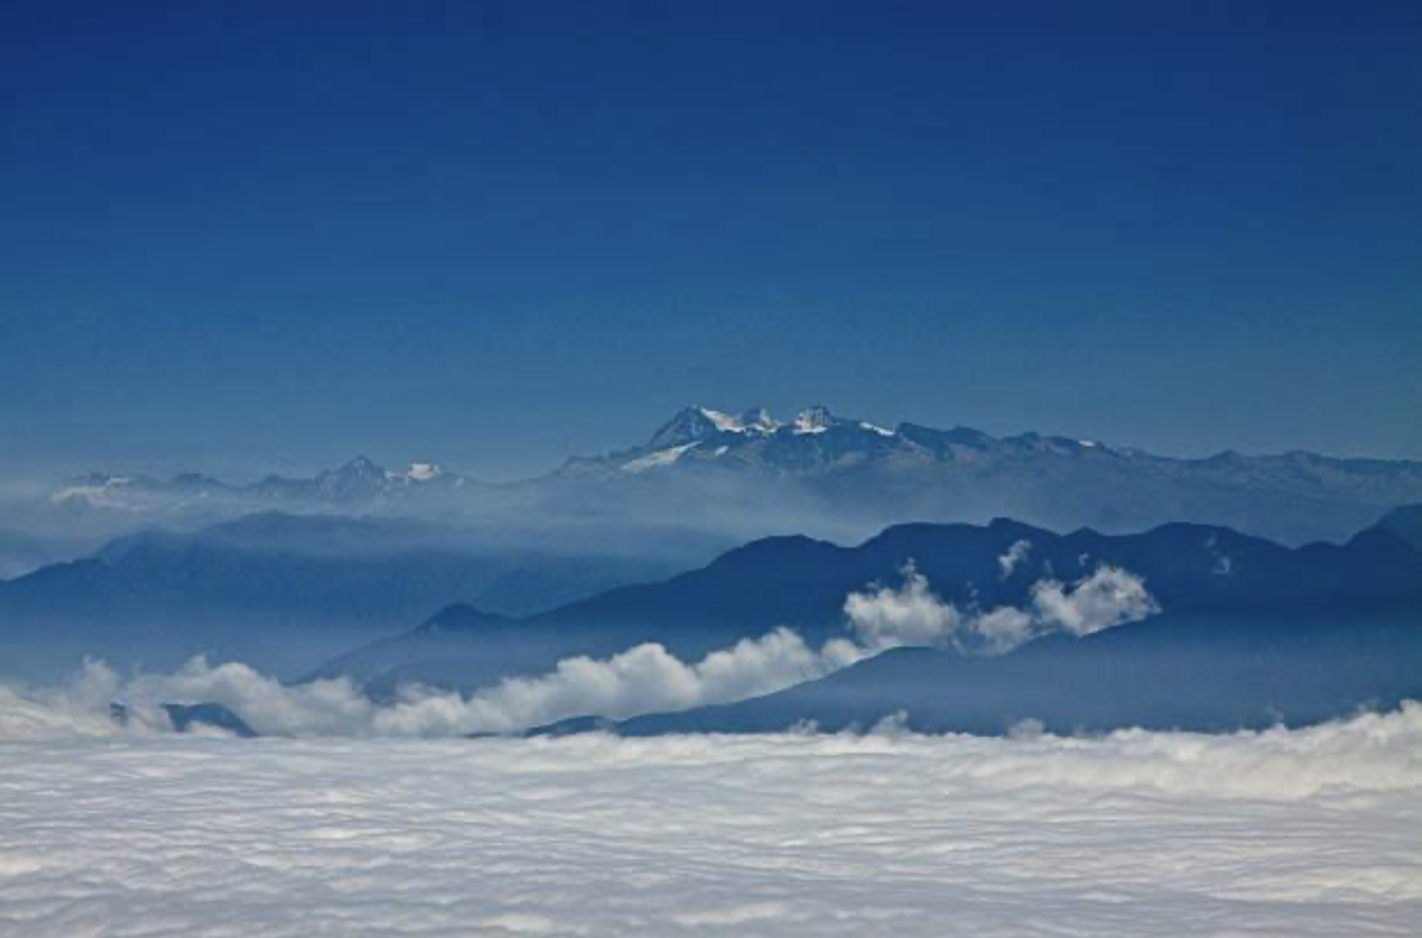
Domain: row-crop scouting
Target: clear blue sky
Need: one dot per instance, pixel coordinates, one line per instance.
(236, 236)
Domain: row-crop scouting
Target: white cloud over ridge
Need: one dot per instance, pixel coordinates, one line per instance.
(1107, 598)
(1305, 833)
(911, 614)
(1013, 557)
(644, 679)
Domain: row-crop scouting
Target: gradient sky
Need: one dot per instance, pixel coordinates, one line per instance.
(240, 237)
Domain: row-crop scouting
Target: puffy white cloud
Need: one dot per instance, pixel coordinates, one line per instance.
(643, 679)
(1305, 833)
(1107, 598)
(42, 716)
(912, 614)
(1000, 630)
(885, 617)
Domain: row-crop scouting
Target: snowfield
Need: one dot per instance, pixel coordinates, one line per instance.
(1298, 833)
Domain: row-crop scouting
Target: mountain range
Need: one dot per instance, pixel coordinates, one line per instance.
(1215, 587)
(356, 483)
(1204, 673)
(749, 474)
(1274, 646)
(1228, 629)
(281, 592)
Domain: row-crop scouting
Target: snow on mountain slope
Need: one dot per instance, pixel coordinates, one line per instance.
(656, 458)
(747, 474)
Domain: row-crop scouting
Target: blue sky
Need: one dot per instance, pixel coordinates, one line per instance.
(248, 236)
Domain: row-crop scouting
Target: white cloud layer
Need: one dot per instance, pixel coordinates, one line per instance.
(1303, 833)
(644, 679)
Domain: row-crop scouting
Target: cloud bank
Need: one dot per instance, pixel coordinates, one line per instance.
(1303, 833)
(644, 679)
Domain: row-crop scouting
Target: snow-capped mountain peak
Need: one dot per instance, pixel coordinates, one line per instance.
(423, 472)
(694, 424)
(758, 420)
(721, 421)
(814, 420)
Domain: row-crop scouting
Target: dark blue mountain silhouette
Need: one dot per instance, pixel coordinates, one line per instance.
(1406, 523)
(1206, 672)
(1198, 574)
(189, 717)
(278, 591)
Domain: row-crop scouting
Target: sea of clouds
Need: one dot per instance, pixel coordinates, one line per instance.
(1309, 832)
(351, 821)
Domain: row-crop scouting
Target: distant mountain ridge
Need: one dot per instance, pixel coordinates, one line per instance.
(277, 591)
(874, 476)
(749, 474)
(814, 439)
(1204, 673)
(802, 583)
(359, 481)
(1251, 635)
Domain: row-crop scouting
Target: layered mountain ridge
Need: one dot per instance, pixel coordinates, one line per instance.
(1209, 573)
(749, 474)
(277, 591)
